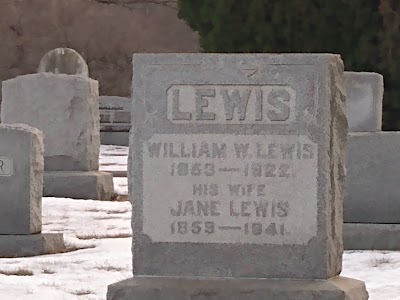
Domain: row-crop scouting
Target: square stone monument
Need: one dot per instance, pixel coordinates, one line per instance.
(21, 186)
(62, 101)
(236, 174)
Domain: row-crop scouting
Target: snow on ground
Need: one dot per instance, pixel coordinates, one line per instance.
(379, 269)
(102, 230)
(115, 159)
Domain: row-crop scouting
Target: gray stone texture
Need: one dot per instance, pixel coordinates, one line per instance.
(363, 236)
(65, 108)
(114, 138)
(21, 180)
(318, 114)
(364, 101)
(373, 189)
(79, 185)
(63, 61)
(159, 288)
(31, 245)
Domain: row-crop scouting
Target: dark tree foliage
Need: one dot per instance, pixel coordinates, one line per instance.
(365, 32)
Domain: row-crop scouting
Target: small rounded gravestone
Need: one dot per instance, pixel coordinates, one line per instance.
(63, 61)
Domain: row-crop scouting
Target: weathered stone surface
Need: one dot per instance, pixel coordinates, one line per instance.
(236, 165)
(21, 180)
(63, 61)
(66, 109)
(364, 101)
(160, 288)
(79, 185)
(363, 236)
(373, 189)
(31, 245)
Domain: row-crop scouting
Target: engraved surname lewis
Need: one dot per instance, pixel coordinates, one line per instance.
(231, 104)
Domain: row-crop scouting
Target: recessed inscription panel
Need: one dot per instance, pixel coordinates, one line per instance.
(6, 166)
(231, 104)
(213, 188)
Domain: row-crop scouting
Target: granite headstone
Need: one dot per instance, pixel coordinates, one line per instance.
(65, 108)
(21, 185)
(236, 171)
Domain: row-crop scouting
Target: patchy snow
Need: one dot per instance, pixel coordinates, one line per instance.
(379, 269)
(103, 230)
(115, 159)
(121, 185)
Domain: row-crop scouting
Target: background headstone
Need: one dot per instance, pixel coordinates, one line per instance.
(66, 109)
(236, 170)
(21, 186)
(364, 101)
(371, 201)
(115, 120)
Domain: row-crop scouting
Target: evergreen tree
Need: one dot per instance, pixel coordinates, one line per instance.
(365, 32)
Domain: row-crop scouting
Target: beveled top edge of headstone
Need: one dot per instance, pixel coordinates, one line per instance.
(118, 98)
(364, 74)
(53, 75)
(272, 56)
(21, 127)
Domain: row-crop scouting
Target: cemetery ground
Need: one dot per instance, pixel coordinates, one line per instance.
(98, 236)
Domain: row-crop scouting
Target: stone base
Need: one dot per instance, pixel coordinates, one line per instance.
(169, 288)
(360, 236)
(94, 185)
(114, 138)
(372, 181)
(31, 244)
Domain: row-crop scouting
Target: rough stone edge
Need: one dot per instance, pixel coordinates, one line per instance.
(36, 182)
(12, 245)
(339, 131)
(170, 288)
(103, 189)
(364, 236)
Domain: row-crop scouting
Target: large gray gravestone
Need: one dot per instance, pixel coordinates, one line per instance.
(65, 107)
(115, 120)
(236, 171)
(364, 101)
(21, 185)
